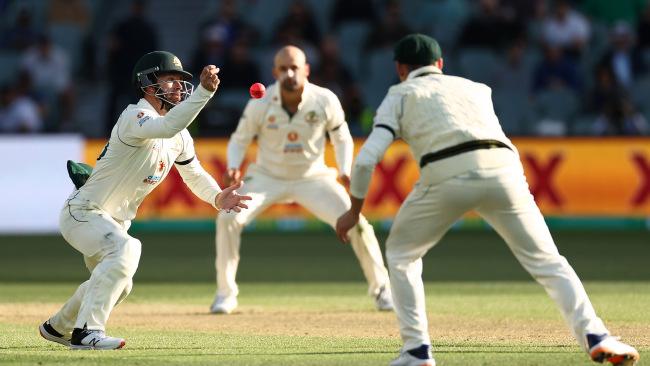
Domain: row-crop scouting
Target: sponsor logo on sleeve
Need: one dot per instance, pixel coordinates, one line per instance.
(141, 121)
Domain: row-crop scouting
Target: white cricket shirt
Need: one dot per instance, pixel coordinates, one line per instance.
(140, 153)
(431, 111)
(292, 147)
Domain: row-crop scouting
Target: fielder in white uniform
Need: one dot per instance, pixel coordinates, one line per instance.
(148, 139)
(291, 123)
(466, 163)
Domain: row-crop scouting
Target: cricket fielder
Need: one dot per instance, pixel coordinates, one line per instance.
(291, 123)
(466, 163)
(147, 140)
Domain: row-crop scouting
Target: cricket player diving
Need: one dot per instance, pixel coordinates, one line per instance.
(148, 139)
(466, 164)
(291, 123)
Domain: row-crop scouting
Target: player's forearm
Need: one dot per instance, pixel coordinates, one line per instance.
(370, 154)
(235, 153)
(200, 182)
(343, 148)
(178, 118)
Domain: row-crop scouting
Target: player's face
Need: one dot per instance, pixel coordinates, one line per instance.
(171, 85)
(291, 72)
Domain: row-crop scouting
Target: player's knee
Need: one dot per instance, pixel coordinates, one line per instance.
(128, 257)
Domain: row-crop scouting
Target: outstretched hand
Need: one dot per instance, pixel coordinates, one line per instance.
(344, 223)
(229, 199)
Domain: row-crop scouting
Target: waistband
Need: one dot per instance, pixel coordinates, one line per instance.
(461, 148)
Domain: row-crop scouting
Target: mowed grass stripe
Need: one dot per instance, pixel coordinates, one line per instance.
(322, 324)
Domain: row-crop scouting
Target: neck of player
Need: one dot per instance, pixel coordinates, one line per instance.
(291, 99)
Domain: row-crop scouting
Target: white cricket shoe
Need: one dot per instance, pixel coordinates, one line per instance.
(607, 348)
(223, 304)
(408, 358)
(384, 299)
(49, 333)
(94, 339)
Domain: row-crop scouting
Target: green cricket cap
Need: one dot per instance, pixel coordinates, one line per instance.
(417, 49)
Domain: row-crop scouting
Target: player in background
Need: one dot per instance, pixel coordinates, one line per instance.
(291, 123)
(148, 139)
(466, 163)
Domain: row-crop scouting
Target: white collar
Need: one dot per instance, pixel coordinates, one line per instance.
(423, 70)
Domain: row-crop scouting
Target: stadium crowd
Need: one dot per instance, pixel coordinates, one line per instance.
(556, 67)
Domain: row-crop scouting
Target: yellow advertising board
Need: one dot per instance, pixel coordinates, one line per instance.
(568, 177)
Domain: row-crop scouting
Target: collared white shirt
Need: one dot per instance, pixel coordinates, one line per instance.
(429, 111)
(140, 153)
(293, 146)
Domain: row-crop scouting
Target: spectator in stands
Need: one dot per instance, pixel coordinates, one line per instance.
(619, 118)
(300, 20)
(556, 71)
(610, 12)
(514, 75)
(211, 49)
(624, 60)
(239, 70)
(352, 11)
(490, 27)
(643, 29)
(566, 28)
(333, 75)
(18, 112)
(605, 88)
(131, 38)
(390, 29)
(21, 35)
(48, 68)
(228, 22)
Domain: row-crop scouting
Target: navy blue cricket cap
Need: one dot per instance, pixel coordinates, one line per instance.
(417, 49)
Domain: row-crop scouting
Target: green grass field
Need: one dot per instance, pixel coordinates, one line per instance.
(303, 302)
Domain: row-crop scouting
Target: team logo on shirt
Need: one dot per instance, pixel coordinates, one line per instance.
(152, 179)
(292, 146)
(161, 166)
(272, 125)
(140, 114)
(312, 117)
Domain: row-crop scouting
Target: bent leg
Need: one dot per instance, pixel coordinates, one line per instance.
(332, 202)
(512, 211)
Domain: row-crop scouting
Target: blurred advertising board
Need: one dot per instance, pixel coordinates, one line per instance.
(576, 177)
(34, 181)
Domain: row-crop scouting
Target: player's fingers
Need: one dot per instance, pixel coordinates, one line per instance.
(236, 209)
(245, 198)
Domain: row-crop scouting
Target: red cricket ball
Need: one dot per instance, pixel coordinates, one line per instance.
(257, 90)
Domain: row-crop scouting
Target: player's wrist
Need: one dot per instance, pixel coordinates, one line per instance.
(216, 202)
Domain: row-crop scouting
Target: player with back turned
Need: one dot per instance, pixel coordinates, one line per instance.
(291, 123)
(148, 139)
(466, 164)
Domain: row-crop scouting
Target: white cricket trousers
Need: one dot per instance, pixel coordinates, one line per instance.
(322, 195)
(111, 255)
(501, 197)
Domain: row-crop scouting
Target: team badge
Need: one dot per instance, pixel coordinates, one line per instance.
(140, 114)
(312, 117)
(177, 62)
(272, 125)
(292, 136)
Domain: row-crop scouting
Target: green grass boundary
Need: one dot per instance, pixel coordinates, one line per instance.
(301, 224)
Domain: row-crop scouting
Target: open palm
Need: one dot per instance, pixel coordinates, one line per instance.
(229, 199)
